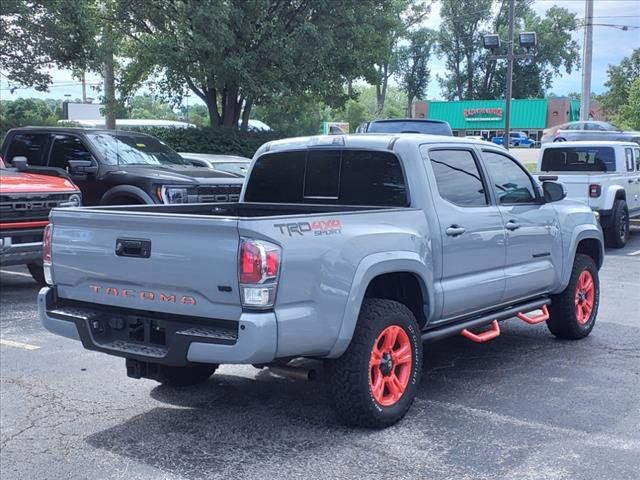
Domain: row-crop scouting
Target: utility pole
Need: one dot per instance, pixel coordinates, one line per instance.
(84, 87)
(507, 110)
(108, 67)
(585, 99)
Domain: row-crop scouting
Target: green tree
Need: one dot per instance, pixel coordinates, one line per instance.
(621, 77)
(149, 106)
(413, 69)
(236, 54)
(26, 111)
(628, 116)
(37, 34)
(472, 74)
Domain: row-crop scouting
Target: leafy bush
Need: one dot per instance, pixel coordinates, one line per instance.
(211, 140)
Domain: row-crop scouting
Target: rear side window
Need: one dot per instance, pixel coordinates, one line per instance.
(458, 177)
(341, 177)
(637, 152)
(628, 153)
(578, 159)
(30, 145)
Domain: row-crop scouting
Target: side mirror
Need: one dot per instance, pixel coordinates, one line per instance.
(553, 191)
(20, 163)
(82, 167)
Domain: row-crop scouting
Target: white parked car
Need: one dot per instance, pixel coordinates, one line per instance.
(605, 175)
(225, 163)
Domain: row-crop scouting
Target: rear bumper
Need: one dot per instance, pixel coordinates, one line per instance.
(252, 339)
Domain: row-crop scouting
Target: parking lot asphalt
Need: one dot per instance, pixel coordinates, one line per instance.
(524, 406)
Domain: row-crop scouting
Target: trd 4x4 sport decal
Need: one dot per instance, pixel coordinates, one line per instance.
(317, 228)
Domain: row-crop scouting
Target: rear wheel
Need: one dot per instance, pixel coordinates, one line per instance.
(37, 272)
(184, 376)
(572, 313)
(559, 139)
(374, 382)
(617, 233)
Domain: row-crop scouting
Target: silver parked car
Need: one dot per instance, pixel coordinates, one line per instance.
(225, 163)
(588, 130)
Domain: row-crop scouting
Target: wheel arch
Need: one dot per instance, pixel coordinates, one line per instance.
(126, 191)
(395, 276)
(588, 240)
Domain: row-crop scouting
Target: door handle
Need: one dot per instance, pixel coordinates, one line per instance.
(512, 225)
(631, 181)
(455, 230)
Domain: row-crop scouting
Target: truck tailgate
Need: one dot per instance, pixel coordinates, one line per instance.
(182, 264)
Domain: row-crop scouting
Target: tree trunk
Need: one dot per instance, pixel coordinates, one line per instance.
(469, 75)
(230, 107)
(109, 83)
(212, 107)
(245, 114)
(409, 106)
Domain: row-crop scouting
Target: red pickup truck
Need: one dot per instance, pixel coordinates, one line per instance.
(25, 201)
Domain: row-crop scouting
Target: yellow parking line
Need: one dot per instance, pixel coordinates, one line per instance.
(11, 343)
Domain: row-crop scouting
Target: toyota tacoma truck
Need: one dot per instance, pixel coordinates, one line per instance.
(352, 249)
(25, 201)
(603, 174)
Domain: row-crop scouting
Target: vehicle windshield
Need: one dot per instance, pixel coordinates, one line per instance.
(578, 159)
(407, 126)
(128, 148)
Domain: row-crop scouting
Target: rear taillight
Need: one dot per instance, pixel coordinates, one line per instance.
(47, 238)
(595, 190)
(259, 267)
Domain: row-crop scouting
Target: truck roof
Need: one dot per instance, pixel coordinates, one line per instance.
(71, 130)
(383, 141)
(590, 143)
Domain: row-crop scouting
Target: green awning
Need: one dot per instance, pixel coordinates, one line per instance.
(489, 114)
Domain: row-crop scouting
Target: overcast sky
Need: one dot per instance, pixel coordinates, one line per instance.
(610, 46)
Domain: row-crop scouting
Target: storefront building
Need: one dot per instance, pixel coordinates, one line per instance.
(486, 117)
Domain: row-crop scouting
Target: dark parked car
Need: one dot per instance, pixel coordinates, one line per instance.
(588, 130)
(406, 125)
(115, 167)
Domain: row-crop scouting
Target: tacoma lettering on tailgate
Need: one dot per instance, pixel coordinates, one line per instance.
(143, 295)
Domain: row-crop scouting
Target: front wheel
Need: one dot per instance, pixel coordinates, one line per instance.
(617, 234)
(374, 382)
(572, 313)
(37, 272)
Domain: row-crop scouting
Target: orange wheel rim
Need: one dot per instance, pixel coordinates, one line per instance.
(390, 365)
(585, 297)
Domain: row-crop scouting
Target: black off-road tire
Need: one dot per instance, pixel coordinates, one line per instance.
(347, 377)
(563, 321)
(37, 272)
(616, 234)
(184, 376)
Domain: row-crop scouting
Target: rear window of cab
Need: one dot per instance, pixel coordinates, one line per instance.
(578, 159)
(328, 176)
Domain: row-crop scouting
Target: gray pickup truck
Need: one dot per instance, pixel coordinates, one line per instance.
(352, 249)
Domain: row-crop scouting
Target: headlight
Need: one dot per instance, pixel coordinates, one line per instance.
(74, 200)
(170, 194)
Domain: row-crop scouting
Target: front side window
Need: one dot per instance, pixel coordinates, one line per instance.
(458, 177)
(573, 126)
(594, 126)
(29, 145)
(67, 148)
(509, 181)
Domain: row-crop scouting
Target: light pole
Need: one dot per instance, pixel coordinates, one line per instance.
(492, 42)
(585, 99)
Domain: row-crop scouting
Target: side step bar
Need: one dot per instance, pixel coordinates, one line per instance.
(455, 329)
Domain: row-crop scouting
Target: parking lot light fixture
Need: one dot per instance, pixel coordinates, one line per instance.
(528, 40)
(491, 41)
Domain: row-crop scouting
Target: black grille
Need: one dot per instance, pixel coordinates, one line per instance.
(219, 193)
(35, 206)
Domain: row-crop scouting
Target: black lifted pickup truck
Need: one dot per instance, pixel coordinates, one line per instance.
(115, 167)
